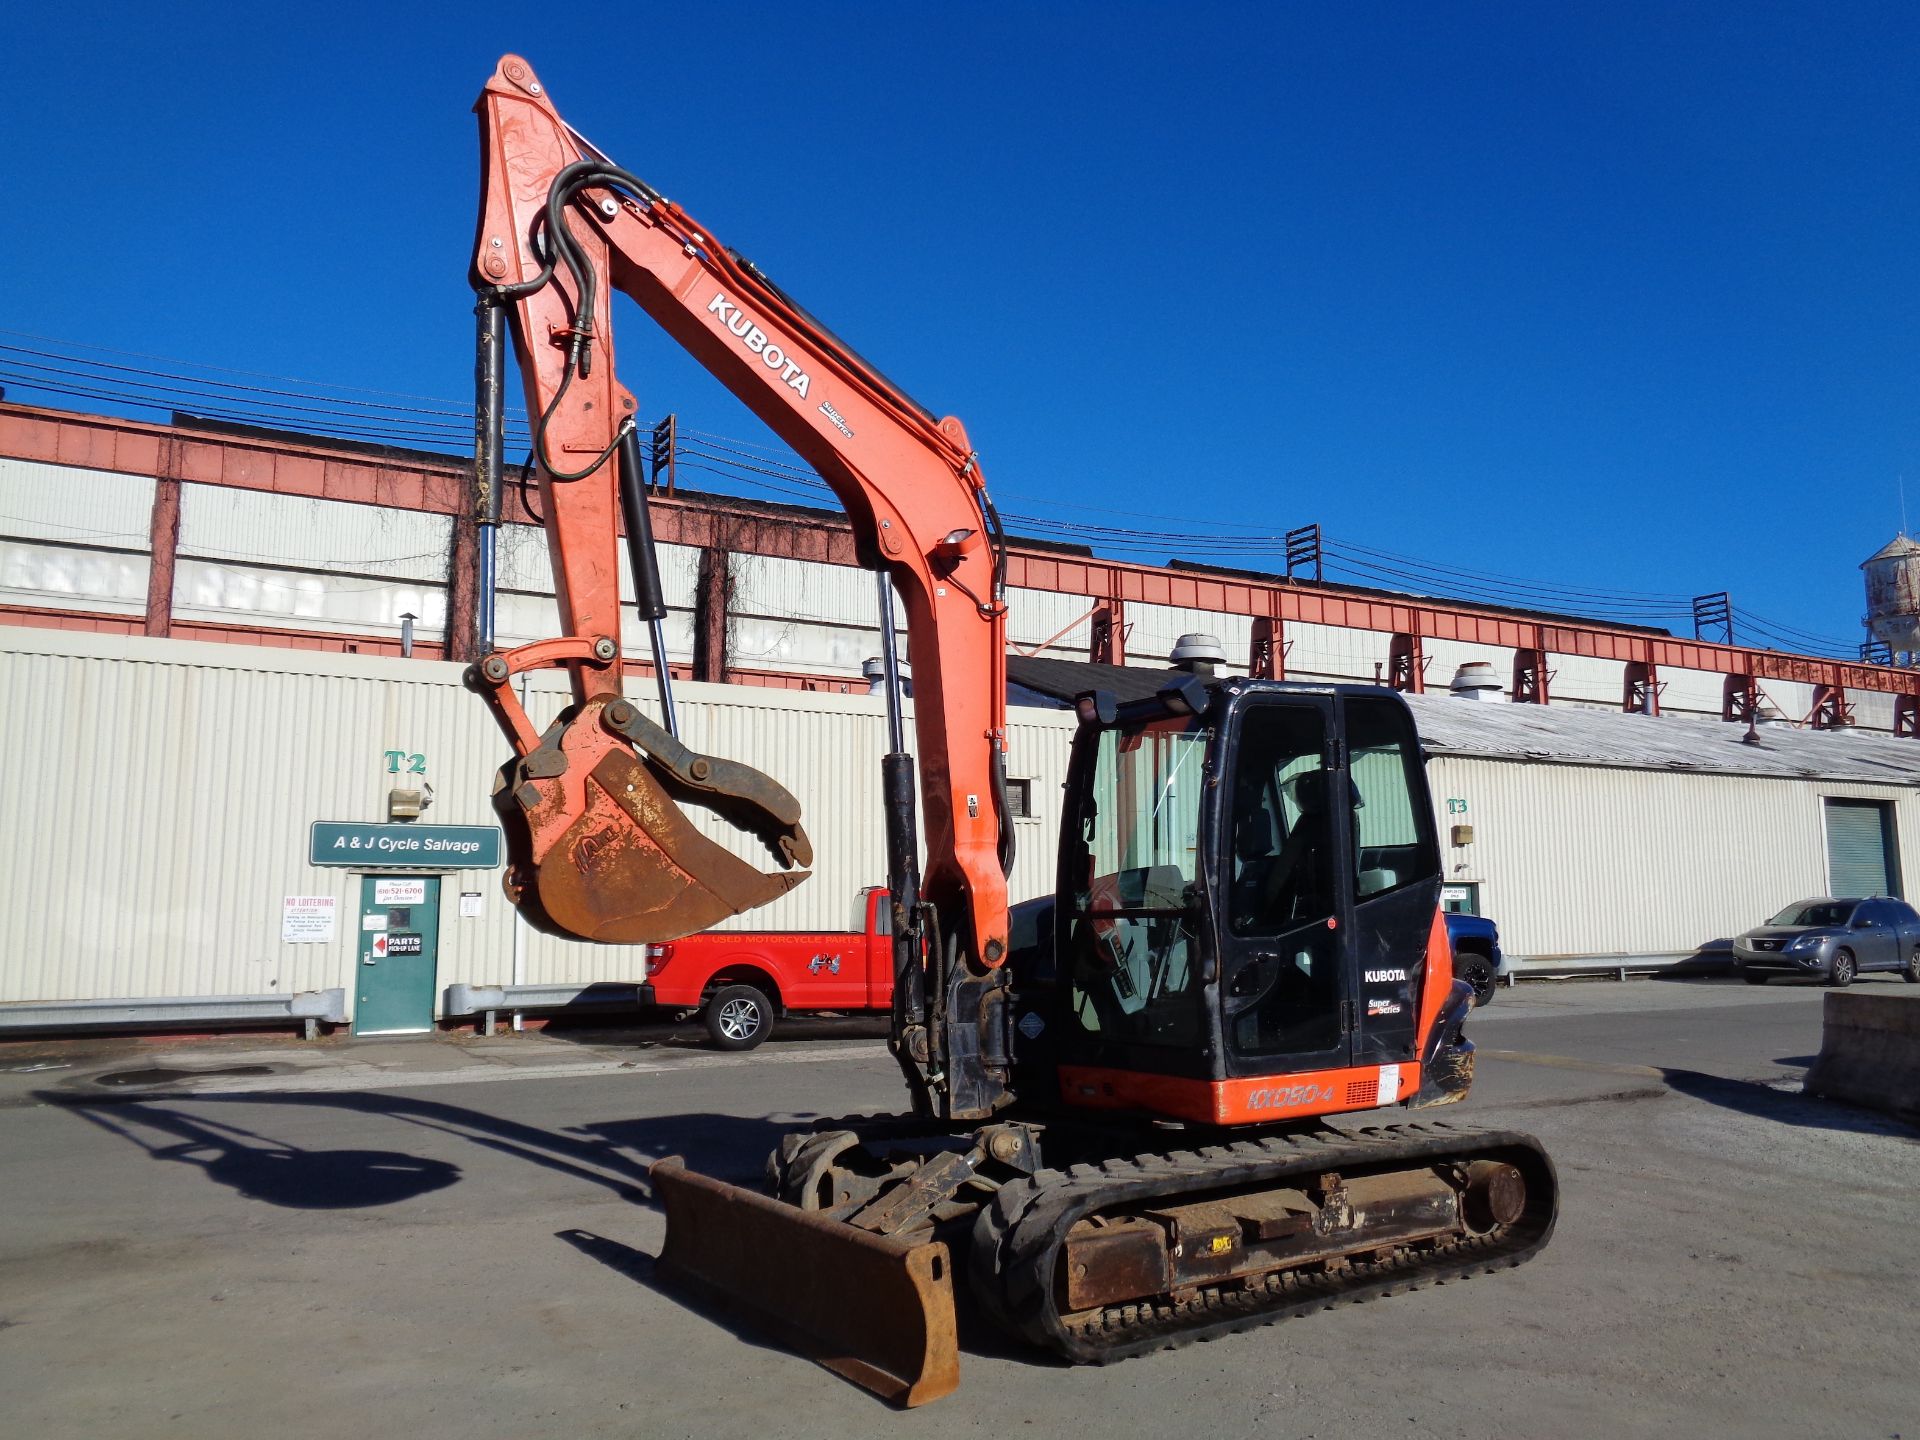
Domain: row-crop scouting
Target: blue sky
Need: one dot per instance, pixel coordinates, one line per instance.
(1616, 297)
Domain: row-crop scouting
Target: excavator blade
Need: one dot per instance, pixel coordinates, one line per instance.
(876, 1309)
(609, 856)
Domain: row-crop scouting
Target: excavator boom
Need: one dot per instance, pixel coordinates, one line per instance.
(560, 228)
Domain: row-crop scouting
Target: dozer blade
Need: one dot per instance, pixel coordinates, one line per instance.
(874, 1308)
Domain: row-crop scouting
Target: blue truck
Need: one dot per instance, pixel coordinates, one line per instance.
(1476, 953)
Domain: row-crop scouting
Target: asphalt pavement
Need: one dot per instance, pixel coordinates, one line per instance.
(441, 1237)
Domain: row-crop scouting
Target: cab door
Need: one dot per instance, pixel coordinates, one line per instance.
(1285, 965)
(1395, 874)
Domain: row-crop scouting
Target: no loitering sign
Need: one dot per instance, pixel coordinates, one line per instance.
(403, 847)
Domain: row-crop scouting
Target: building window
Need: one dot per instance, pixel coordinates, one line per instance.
(1020, 799)
(1863, 854)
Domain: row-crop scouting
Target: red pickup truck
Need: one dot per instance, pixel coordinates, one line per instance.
(741, 981)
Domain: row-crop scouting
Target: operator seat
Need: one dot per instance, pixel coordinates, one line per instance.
(1298, 883)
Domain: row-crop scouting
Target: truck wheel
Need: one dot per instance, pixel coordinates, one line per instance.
(1477, 971)
(738, 1017)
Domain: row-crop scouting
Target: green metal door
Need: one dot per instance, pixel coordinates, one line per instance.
(1858, 849)
(399, 943)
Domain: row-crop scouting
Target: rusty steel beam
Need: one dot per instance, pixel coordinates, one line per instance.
(163, 544)
(1108, 645)
(1407, 663)
(1530, 675)
(1267, 649)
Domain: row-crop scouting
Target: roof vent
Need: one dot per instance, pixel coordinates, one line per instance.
(1475, 680)
(874, 671)
(1198, 654)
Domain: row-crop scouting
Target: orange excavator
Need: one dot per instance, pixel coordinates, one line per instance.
(1119, 1092)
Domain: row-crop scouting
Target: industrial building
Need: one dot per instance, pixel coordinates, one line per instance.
(220, 650)
(193, 530)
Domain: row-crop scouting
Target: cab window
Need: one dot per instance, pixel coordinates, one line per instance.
(1131, 937)
(1392, 826)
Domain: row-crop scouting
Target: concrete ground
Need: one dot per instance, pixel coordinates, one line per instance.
(438, 1238)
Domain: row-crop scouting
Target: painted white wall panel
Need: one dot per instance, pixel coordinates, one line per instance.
(258, 527)
(1062, 624)
(1794, 699)
(835, 595)
(1333, 652)
(1598, 682)
(1691, 691)
(62, 577)
(1872, 710)
(72, 505)
(249, 594)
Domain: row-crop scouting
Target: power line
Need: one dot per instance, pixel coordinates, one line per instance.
(389, 417)
(223, 370)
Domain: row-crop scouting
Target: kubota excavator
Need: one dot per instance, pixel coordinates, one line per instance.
(1119, 1103)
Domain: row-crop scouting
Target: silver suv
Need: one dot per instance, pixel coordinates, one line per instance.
(1834, 940)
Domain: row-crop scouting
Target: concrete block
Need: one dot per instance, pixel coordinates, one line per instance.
(1870, 1050)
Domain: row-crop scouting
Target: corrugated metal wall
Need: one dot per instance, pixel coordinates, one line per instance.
(1582, 860)
(162, 793)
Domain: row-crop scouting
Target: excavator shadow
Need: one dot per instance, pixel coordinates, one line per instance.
(639, 1267)
(978, 1336)
(271, 1171)
(615, 1155)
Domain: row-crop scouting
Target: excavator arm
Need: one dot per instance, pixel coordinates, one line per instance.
(598, 847)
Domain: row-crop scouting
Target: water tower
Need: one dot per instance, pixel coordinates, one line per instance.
(1893, 594)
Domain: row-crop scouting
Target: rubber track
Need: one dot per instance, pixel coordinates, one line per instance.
(1016, 1239)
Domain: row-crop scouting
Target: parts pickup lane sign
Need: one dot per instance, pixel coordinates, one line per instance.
(403, 847)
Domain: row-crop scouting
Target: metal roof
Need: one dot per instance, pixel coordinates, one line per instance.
(1895, 549)
(1567, 735)
(1570, 735)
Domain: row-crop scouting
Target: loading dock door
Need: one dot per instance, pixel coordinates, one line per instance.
(399, 944)
(1860, 851)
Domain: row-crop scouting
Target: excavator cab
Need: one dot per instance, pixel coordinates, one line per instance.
(1244, 871)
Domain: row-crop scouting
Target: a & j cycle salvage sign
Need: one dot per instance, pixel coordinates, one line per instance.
(404, 847)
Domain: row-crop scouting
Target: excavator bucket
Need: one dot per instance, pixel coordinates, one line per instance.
(876, 1309)
(597, 846)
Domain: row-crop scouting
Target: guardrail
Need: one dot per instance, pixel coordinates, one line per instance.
(1618, 967)
(488, 1001)
(171, 1011)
